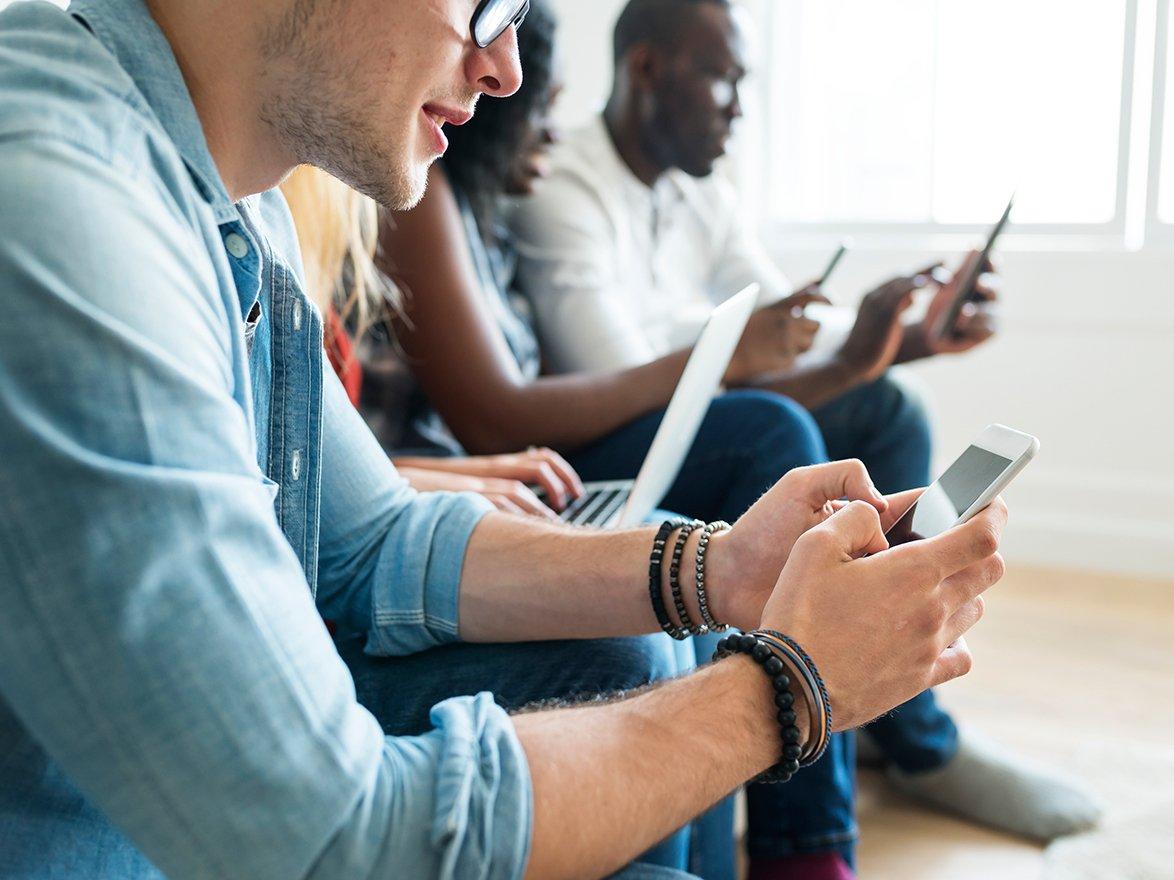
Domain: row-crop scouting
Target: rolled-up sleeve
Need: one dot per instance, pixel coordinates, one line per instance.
(158, 639)
(390, 558)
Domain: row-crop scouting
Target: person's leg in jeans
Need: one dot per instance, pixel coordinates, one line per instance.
(400, 691)
(885, 425)
(748, 440)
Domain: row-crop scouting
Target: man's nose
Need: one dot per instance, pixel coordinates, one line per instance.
(496, 70)
(735, 110)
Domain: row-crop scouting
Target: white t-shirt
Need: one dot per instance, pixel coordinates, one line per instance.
(620, 274)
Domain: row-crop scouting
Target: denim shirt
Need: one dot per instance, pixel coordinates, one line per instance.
(180, 477)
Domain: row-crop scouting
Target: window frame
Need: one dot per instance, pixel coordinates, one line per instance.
(1159, 231)
(1136, 222)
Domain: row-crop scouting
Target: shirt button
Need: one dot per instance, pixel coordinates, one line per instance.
(295, 465)
(297, 315)
(236, 244)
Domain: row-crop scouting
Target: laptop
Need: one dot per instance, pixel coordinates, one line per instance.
(625, 503)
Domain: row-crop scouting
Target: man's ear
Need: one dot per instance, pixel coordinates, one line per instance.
(645, 66)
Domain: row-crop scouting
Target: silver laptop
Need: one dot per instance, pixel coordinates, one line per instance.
(624, 503)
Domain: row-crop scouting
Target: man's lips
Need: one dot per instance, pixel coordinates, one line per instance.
(451, 115)
(436, 116)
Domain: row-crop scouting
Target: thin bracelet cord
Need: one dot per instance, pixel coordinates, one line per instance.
(687, 622)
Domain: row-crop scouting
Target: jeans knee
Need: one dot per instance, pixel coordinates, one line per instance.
(776, 425)
(619, 664)
(906, 402)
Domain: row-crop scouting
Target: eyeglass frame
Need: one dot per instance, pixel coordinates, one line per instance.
(515, 22)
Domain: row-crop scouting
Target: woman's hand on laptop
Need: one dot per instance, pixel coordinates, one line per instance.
(504, 479)
(774, 336)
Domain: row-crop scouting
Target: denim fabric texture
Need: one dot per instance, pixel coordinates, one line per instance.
(176, 489)
(399, 691)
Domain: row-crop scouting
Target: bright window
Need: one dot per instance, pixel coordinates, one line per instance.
(933, 111)
(1166, 192)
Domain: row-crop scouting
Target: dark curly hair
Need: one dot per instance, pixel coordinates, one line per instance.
(482, 152)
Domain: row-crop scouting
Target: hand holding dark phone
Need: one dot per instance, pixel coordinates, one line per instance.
(968, 289)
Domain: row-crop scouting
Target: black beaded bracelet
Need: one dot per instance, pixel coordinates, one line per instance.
(655, 590)
(819, 703)
(703, 599)
(675, 579)
(763, 653)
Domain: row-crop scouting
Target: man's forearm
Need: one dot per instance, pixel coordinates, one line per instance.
(525, 580)
(813, 384)
(609, 781)
(914, 346)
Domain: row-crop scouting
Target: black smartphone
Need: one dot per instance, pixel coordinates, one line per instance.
(967, 289)
(833, 263)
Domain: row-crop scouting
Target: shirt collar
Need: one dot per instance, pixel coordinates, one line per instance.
(667, 187)
(127, 29)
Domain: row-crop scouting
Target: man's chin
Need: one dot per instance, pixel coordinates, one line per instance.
(410, 188)
(701, 168)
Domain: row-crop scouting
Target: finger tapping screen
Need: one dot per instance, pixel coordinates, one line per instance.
(947, 499)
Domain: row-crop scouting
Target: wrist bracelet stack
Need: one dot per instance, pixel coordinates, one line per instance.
(815, 691)
(702, 599)
(688, 626)
(655, 591)
(675, 579)
(779, 655)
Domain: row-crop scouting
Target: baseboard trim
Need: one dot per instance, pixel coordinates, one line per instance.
(1114, 547)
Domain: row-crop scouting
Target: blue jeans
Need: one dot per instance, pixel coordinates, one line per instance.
(399, 691)
(748, 440)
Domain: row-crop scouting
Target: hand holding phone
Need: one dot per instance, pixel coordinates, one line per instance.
(946, 327)
(968, 485)
(813, 292)
(841, 251)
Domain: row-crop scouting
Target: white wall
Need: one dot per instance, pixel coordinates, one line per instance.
(1085, 360)
(585, 39)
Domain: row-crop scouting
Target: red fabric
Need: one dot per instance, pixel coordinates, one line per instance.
(341, 352)
(811, 866)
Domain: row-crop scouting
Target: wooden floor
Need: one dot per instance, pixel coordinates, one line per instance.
(1074, 670)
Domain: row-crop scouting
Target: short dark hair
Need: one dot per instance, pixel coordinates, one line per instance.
(482, 151)
(658, 22)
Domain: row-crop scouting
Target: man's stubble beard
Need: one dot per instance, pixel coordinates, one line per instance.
(316, 107)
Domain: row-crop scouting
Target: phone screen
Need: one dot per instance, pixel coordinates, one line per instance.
(939, 507)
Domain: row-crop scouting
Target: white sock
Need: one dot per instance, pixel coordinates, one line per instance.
(983, 783)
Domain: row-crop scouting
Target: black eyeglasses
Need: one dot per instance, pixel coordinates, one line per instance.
(491, 18)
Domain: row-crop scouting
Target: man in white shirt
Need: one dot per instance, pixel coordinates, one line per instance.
(625, 248)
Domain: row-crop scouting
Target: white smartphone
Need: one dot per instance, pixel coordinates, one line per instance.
(971, 483)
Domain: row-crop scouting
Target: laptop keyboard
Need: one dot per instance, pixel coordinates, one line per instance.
(596, 507)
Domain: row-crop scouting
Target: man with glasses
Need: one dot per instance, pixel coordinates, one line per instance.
(181, 481)
(627, 242)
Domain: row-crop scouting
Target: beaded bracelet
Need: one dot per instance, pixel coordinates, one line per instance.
(763, 653)
(655, 590)
(818, 741)
(817, 696)
(675, 579)
(702, 599)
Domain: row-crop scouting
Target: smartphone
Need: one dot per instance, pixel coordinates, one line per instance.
(970, 484)
(967, 289)
(833, 263)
